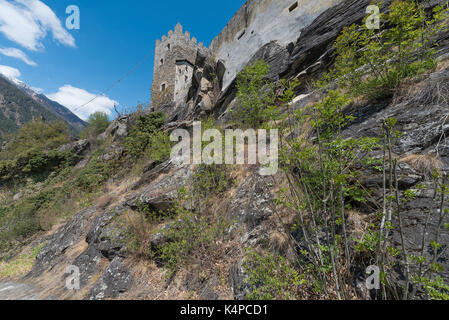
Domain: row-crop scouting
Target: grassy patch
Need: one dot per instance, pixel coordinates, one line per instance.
(20, 265)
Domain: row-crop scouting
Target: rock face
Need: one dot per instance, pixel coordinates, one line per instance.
(421, 117)
(95, 242)
(79, 148)
(115, 280)
(68, 236)
(257, 23)
(161, 192)
(105, 242)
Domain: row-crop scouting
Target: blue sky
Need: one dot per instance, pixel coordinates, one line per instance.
(72, 66)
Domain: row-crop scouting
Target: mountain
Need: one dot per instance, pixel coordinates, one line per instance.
(357, 210)
(20, 104)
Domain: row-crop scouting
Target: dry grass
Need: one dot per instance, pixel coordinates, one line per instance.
(443, 64)
(141, 230)
(4, 196)
(424, 164)
(52, 282)
(429, 88)
(104, 201)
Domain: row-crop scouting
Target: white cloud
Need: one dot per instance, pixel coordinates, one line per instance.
(27, 23)
(18, 54)
(9, 72)
(73, 98)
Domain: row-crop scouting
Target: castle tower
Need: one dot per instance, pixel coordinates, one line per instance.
(175, 58)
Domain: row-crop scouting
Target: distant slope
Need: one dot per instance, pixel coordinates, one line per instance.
(19, 105)
(61, 111)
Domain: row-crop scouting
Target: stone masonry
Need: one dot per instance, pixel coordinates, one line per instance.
(175, 58)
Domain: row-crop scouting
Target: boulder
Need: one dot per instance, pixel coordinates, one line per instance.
(68, 236)
(79, 148)
(115, 280)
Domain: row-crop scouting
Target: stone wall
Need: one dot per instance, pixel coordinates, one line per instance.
(177, 46)
(259, 22)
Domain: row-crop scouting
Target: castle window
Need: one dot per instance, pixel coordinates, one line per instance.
(293, 6)
(168, 46)
(163, 87)
(162, 62)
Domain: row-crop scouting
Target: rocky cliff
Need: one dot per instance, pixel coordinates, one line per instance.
(96, 239)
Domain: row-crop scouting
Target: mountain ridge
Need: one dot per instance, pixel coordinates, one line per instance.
(12, 115)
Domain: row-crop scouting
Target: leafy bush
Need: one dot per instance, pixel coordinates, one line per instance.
(35, 164)
(255, 94)
(144, 136)
(94, 175)
(96, 124)
(36, 135)
(159, 147)
(437, 289)
(191, 236)
(370, 62)
(271, 277)
(21, 220)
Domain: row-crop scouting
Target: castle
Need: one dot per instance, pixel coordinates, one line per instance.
(254, 25)
(175, 59)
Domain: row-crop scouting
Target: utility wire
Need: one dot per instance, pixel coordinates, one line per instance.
(115, 83)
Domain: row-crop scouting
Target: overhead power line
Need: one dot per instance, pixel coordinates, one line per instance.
(102, 94)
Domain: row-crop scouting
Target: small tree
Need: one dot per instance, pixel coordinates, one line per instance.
(37, 135)
(371, 62)
(146, 135)
(98, 122)
(255, 94)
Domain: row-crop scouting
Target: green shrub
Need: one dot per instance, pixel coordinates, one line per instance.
(437, 288)
(142, 135)
(159, 147)
(255, 95)
(371, 62)
(21, 220)
(270, 277)
(35, 163)
(96, 124)
(94, 175)
(191, 236)
(210, 180)
(36, 135)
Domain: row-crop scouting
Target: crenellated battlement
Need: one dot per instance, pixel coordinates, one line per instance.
(177, 37)
(175, 57)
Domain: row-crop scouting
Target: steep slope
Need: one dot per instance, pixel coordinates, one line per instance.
(52, 106)
(100, 240)
(17, 108)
